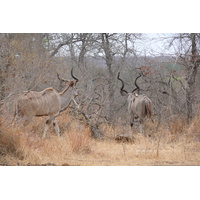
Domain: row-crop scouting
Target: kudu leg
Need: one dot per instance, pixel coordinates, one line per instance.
(77, 105)
(131, 128)
(48, 121)
(140, 127)
(56, 127)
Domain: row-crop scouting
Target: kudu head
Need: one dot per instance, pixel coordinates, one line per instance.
(73, 83)
(131, 95)
(65, 82)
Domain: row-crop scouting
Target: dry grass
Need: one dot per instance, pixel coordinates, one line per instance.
(175, 144)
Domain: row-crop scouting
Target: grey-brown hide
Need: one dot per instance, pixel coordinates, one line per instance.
(48, 102)
(139, 106)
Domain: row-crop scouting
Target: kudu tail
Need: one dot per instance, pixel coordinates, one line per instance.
(148, 109)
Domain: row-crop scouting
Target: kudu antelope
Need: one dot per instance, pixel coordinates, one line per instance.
(139, 106)
(48, 103)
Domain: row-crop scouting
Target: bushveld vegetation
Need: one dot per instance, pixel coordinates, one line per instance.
(176, 143)
(32, 61)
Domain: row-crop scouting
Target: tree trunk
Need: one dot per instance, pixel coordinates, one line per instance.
(109, 62)
(189, 100)
(190, 78)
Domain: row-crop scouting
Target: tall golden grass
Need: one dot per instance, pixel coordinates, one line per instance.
(173, 144)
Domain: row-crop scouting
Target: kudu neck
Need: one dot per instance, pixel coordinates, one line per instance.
(65, 90)
(66, 97)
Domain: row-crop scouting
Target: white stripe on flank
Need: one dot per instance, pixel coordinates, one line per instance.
(36, 100)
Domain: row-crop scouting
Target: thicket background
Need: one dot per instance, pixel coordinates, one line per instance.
(171, 76)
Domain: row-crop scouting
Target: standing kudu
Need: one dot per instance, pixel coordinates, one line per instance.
(139, 106)
(48, 103)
